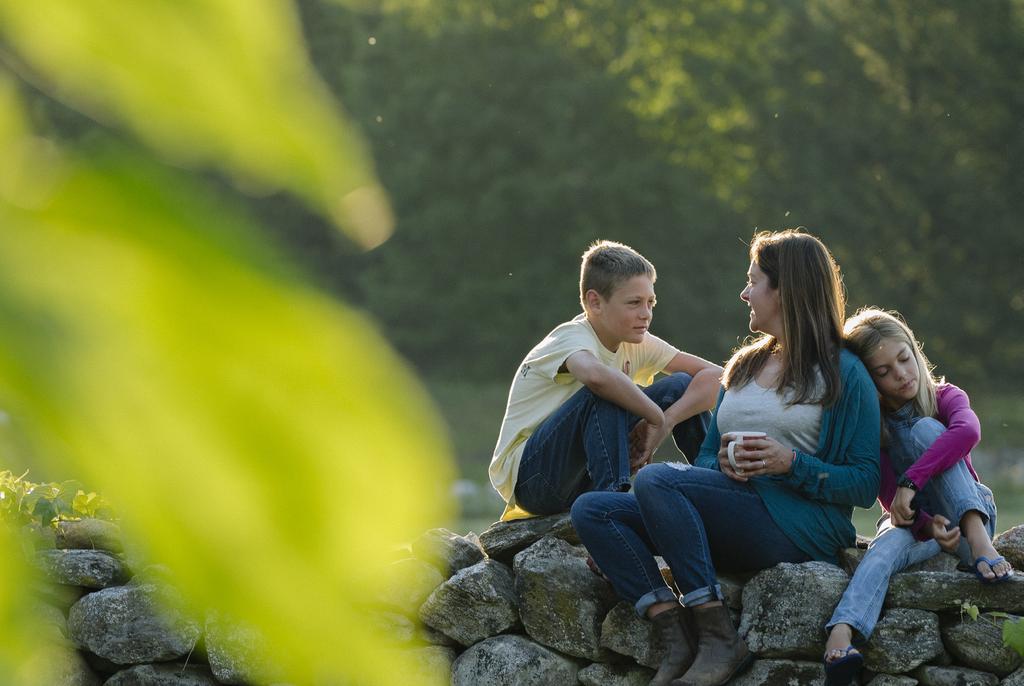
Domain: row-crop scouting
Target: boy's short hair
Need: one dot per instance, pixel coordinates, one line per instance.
(606, 264)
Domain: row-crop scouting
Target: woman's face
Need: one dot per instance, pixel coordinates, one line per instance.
(765, 310)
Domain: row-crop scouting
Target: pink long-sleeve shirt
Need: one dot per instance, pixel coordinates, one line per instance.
(963, 431)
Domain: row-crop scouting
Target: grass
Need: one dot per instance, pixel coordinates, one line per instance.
(1002, 420)
(473, 411)
(1009, 506)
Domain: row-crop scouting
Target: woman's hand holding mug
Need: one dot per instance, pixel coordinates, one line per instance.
(744, 454)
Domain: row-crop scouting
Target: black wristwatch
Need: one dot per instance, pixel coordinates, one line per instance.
(905, 482)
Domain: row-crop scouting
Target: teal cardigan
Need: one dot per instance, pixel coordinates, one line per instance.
(813, 503)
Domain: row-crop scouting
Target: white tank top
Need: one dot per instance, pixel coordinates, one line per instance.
(753, 408)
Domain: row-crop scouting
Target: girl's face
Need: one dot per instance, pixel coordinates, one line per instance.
(765, 310)
(893, 367)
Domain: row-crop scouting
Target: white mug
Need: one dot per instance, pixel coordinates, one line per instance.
(736, 438)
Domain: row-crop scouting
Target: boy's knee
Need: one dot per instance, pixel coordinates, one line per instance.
(599, 403)
(679, 382)
(669, 389)
(681, 379)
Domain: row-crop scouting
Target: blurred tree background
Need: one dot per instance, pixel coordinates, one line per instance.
(509, 134)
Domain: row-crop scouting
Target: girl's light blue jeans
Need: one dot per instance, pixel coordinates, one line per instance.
(952, 493)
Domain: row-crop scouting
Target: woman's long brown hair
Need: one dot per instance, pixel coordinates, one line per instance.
(813, 308)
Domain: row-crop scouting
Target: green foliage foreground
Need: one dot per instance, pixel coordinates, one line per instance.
(260, 439)
(23, 502)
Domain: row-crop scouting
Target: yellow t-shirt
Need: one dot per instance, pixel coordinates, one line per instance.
(538, 389)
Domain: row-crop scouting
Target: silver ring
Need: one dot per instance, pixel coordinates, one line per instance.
(763, 464)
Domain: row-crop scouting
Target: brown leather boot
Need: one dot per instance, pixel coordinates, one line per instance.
(721, 653)
(674, 635)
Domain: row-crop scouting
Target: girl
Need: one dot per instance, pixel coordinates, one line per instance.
(928, 432)
(817, 412)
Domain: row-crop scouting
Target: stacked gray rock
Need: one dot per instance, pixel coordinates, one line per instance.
(519, 605)
(978, 644)
(572, 629)
(512, 660)
(785, 608)
(561, 602)
(238, 654)
(903, 640)
(623, 632)
(106, 626)
(131, 625)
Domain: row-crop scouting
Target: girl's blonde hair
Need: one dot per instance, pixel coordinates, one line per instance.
(813, 309)
(870, 327)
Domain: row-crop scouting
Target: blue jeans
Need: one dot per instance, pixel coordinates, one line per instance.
(952, 493)
(584, 446)
(688, 516)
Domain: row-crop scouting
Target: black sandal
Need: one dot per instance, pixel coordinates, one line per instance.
(843, 671)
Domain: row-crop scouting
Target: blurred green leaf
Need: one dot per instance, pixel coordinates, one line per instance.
(45, 511)
(24, 654)
(1013, 635)
(259, 438)
(220, 82)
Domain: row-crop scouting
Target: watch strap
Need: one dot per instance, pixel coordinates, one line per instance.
(906, 482)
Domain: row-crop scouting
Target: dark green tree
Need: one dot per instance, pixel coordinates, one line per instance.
(511, 134)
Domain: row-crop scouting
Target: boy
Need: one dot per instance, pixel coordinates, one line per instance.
(576, 420)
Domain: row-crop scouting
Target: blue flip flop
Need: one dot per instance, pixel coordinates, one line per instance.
(991, 562)
(843, 671)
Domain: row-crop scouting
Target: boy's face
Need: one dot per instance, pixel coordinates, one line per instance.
(625, 315)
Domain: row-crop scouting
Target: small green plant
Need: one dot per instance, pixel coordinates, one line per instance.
(970, 609)
(24, 502)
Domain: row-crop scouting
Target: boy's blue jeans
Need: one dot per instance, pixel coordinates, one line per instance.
(952, 493)
(698, 519)
(584, 446)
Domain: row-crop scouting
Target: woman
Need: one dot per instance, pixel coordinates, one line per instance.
(795, 487)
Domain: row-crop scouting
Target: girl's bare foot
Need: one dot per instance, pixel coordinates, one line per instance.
(986, 550)
(973, 528)
(839, 640)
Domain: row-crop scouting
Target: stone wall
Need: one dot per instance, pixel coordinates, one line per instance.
(113, 627)
(519, 605)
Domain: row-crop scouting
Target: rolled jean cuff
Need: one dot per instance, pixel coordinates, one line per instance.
(700, 596)
(658, 595)
(859, 635)
(965, 505)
